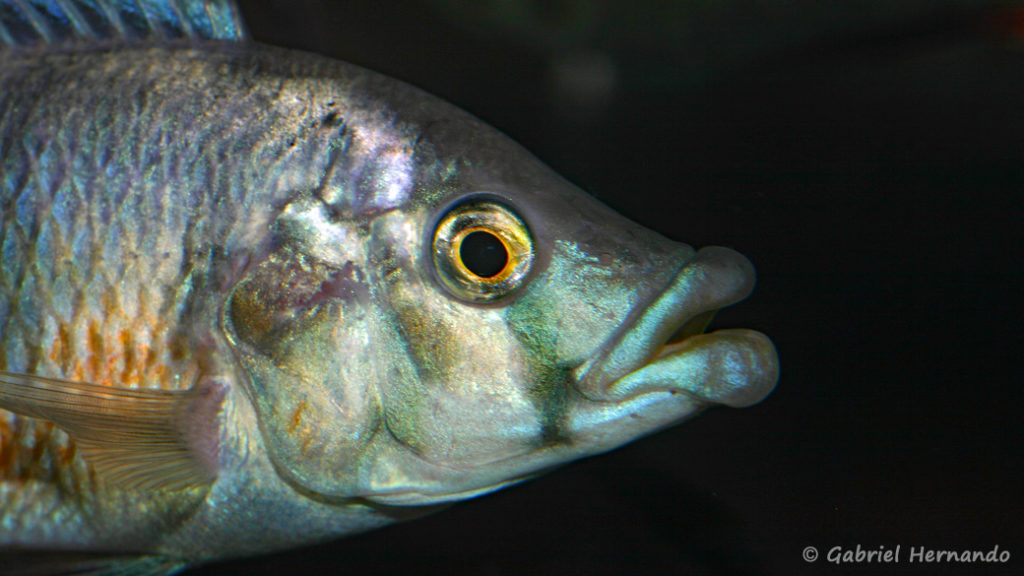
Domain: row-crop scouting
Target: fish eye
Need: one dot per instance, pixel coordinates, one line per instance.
(482, 250)
(483, 254)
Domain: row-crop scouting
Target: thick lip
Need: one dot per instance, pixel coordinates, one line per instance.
(657, 369)
(662, 348)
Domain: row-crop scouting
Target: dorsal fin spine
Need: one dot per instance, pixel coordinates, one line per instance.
(186, 24)
(38, 22)
(29, 22)
(113, 17)
(78, 21)
(152, 19)
(5, 36)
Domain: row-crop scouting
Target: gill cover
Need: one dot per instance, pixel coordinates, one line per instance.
(369, 374)
(303, 325)
(386, 361)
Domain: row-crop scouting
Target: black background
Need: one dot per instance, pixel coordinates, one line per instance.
(868, 160)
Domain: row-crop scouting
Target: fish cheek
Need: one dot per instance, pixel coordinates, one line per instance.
(477, 402)
(293, 337)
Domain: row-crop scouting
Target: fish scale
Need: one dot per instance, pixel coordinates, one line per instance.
(69, 312)
(232, 294)
(105, 263)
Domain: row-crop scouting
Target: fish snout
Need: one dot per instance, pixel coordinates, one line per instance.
(662, 346)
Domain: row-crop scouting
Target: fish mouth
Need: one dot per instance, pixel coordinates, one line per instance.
(658, 368)
(662, 347)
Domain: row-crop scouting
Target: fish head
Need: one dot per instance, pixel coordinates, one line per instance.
(450, 317)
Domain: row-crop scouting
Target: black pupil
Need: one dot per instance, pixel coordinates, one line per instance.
(483, 254)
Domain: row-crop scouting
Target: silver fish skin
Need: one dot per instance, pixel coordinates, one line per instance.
(270, 226)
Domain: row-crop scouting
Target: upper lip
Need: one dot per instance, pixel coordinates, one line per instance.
(715, 278)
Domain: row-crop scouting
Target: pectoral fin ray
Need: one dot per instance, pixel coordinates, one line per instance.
(133, 438)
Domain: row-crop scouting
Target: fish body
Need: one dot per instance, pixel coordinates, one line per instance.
(253, 298)
(116, 261)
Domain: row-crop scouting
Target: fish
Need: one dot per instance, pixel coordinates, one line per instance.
(254, 298)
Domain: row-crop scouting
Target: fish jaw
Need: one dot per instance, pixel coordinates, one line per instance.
(737, 368)
(660, 369)
(643, 380)
(733, 367)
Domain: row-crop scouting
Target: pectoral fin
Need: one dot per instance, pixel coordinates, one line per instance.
(68, 563)
(139, 439)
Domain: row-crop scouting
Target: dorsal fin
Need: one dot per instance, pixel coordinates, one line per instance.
(29, 22)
